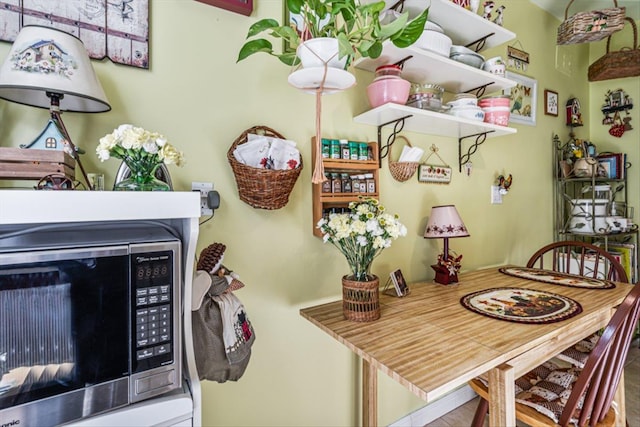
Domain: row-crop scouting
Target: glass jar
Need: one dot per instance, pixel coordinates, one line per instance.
(336, 183)
(353, 150)
(363, 151)
(344, 149)
(335, 149)
(346, 183)
(326, 148)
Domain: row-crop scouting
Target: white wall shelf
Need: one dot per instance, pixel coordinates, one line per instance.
(428, 67)
(422, 66)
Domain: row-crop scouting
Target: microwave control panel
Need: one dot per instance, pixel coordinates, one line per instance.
(152, 275)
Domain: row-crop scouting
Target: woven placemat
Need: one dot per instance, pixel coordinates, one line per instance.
(557, 278)
(521, 305)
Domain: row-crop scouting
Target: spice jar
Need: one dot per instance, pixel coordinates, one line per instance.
(353, 150)
(355, 184)
(336, 183)
(346, 183)
(363, 151)
(326, 184)
(370, 183)
(344, 149)
(335, 149)
(326, 148)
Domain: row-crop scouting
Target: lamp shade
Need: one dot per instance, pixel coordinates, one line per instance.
(45, 60)
(445, 222)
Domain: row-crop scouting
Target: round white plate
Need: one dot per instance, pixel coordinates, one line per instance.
(309, 80)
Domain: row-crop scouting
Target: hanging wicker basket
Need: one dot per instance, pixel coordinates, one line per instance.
(402, 171)
(615, 65)
(262, 188)
(591, 26)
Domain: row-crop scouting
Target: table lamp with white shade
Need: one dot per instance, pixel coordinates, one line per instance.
(51, 69)
(445, 223)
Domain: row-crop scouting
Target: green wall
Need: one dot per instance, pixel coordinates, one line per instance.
(202, 100)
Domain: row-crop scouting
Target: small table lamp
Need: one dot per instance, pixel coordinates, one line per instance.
(49, 68)
(445, 222)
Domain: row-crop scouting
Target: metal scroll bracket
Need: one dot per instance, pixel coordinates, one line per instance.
(398, 125)
(480, 138)
(479, 44)
(480, 90)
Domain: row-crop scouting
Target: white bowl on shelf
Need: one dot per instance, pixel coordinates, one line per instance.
(435, 42)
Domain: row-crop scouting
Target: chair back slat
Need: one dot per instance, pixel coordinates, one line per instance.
(579, 258)
(601, 374)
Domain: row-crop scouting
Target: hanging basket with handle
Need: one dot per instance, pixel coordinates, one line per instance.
(262, 188)
(402, 171)
(621, 63)
(590, 26)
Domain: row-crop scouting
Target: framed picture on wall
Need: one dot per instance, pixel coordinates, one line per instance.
(550, 103)
(523, 99)
(243, 7)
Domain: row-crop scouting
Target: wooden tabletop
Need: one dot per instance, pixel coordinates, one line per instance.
(431, 344)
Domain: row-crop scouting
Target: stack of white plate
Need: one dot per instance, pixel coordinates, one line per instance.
(434, 40)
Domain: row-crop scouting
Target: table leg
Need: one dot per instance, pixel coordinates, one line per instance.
(619, 398)
(369, 395)
(502, 401)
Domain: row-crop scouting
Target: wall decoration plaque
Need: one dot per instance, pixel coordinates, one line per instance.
(114, 29)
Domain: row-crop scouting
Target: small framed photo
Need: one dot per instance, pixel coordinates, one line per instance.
(550, 103)
(399, 283)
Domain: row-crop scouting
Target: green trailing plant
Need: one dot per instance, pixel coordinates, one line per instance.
(356, 26)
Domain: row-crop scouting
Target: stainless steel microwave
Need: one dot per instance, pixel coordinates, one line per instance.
(89, 320)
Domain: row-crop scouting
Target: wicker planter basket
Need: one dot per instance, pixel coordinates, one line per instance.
(615, 65)
(262, 188)
(591, 26)
(360, 300)
(402, 171)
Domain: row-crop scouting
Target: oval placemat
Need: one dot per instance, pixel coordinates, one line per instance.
(521, 305)
(557, 278)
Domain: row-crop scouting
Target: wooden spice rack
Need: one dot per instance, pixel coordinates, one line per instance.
(322, 201)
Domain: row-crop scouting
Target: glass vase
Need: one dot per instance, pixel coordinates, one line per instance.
(142, 178)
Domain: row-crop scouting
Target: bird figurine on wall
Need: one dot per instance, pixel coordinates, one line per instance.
(488, 7)
(499, 18)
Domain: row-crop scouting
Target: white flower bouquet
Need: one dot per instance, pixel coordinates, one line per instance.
(362, 234)
(135, 145)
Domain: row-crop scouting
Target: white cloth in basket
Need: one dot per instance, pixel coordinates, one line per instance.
(266, 152)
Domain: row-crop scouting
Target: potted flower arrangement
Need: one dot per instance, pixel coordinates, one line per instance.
(143, 152)
(355, 26)
(361, 236)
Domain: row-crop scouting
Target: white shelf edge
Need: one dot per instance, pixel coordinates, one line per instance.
(430, 122)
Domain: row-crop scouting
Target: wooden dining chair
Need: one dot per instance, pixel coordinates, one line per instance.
(580, 258)
(557, 392)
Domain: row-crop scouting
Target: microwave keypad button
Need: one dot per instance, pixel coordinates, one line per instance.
(164, 323)
(142, 292)
(153, 299)
(141, 301)
(164, 336)
(164, 309)
(153, 318)
(144, 354)
(164, 289)
(165, 298)
(161, 349)
(141, 328)
(153, 340)
(141, 319)
(154, 290)
(142, 342)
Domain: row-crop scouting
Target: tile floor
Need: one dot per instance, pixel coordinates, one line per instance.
(463, 415)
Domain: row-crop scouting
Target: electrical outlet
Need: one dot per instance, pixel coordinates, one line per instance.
(496, 197)
(204, 188)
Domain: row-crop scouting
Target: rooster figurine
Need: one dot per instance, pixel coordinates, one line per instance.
(488, 7)
(499, 18)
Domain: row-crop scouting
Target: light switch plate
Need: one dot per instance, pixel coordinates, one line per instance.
(496, 197)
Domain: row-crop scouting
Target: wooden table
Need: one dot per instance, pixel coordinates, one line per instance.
(431, 344)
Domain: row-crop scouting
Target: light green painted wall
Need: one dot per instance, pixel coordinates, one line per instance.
(202, 100)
